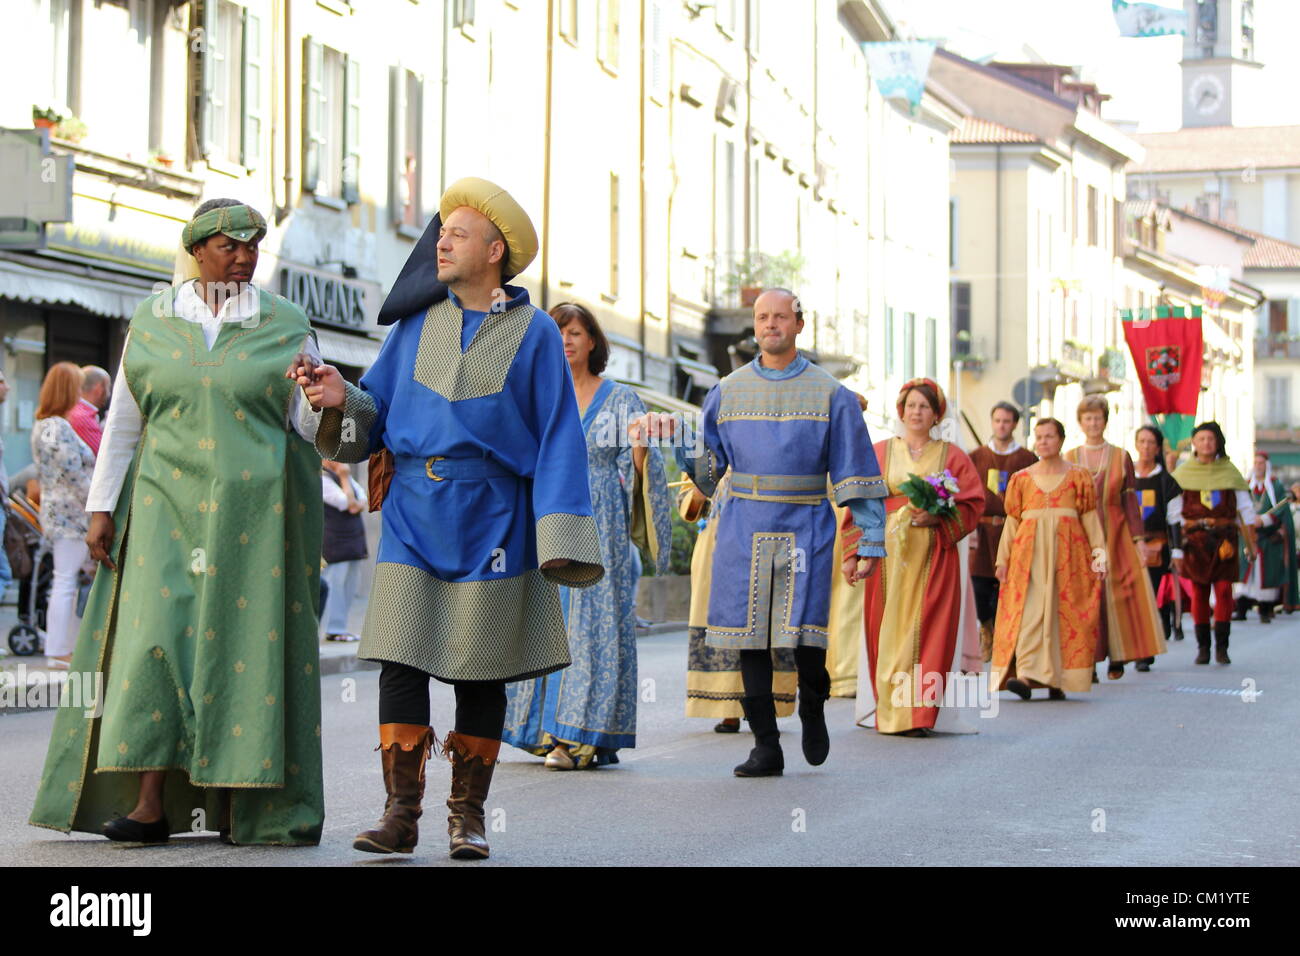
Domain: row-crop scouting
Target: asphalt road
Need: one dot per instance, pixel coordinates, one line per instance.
(1170, 768)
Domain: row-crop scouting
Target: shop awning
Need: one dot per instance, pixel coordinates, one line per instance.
(45, 286)
(356, 350)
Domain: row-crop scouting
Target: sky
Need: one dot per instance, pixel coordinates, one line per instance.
(1141, 74)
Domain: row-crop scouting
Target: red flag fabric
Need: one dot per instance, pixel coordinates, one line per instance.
(1167, 352)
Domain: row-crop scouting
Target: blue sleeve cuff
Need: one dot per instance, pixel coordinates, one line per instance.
(869, 516)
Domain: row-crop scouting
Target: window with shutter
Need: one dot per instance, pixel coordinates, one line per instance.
(229, 105)
(607, 52)
(568, 20)
(351, 171)
(931, 347)
(251, 92)
(909, 345)
(889, 341)
(658, 78)
(406, 90)
(313, 109)
(613, 235)
(331, 123)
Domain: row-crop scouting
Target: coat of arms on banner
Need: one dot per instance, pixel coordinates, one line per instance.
(1164, 366)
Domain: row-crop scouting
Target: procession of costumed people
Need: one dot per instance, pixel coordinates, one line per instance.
(826, 564)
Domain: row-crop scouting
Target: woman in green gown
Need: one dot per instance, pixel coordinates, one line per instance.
(206, 521)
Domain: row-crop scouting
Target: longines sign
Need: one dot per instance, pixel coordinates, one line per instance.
(325, 300)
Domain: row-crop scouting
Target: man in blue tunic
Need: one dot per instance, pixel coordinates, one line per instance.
(488, 509)
(781, 425)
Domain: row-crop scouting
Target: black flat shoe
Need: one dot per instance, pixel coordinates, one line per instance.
(1115, 673)
(1055, 693)
(1019, 688)
(722, 727)
(1178, 634)
(126, 830)
(1143, 666)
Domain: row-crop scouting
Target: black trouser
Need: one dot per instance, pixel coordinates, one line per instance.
(810, 662)
(1167, 609)
(404, 699)
(986, 598)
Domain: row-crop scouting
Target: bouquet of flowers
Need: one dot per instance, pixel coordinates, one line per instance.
(934, 493)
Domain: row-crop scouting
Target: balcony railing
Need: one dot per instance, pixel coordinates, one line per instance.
(1277, 348)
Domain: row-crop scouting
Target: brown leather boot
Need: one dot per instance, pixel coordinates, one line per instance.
(1221, 631)
(404, 748)
(986, 642)
(472, 761)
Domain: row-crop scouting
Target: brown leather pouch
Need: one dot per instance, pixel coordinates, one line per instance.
(380, 474)
(1227, 550)
(1156, 554)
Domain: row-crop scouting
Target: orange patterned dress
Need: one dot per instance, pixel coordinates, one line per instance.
(1049, 605)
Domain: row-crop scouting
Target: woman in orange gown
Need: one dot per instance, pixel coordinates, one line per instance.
(1130, 624)
(1050, 575)
(913, 598)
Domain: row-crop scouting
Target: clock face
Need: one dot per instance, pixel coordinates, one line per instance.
(1206, 94)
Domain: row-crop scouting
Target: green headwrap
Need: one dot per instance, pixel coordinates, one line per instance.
(243, 223)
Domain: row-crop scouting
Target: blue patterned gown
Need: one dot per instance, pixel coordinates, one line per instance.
(593, 702)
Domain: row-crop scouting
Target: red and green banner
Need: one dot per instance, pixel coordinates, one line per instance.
(1167, 348)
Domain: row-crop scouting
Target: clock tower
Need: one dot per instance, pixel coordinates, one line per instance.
(1220, 72)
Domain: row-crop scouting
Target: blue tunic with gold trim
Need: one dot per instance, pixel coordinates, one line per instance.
(490, 483)
(782, 435)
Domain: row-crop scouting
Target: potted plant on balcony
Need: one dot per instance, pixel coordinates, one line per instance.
(754, 272)
(1111, 365)
(965, 360)
(69, 128)
(47, 116)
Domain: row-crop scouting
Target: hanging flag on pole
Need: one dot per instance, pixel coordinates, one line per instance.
(899, 68)
(1148, 19)
(1167, 348)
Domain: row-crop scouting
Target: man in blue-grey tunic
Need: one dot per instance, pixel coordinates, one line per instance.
(782, 426)
(488, 508)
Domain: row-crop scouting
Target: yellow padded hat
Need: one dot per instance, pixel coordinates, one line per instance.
(506, 214)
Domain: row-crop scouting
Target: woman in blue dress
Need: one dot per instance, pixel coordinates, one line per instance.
(580, 716)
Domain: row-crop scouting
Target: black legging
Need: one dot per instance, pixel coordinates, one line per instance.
(756, 670)
(404, 699)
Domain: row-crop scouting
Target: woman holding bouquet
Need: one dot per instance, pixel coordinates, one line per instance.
(913, 599)
(1050, 563)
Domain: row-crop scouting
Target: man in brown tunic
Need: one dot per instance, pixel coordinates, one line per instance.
(996, 462)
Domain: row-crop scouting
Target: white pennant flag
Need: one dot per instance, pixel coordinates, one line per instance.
(1148, 20)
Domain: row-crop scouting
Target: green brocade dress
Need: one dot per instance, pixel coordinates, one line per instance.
(206, 634)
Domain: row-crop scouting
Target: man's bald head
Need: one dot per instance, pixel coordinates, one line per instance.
(96, 384)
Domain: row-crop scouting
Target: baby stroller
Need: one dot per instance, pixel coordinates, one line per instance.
(32, 563)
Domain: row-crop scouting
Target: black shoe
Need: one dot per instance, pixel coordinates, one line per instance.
(1115, 672)
(1094, 675)
(1178, 634)
(126, 830)
(766, 759)
(1055, 693)
(1144, 665)
(816, 740)
(722, 727)
(1019, 688)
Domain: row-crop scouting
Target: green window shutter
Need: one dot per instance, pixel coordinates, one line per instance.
(396, 141)
(352, 131)
(204, 47)
(251, 122)
(313, 102)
